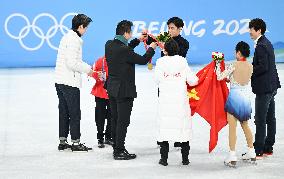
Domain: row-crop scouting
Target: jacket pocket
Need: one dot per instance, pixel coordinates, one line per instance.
(113, 86)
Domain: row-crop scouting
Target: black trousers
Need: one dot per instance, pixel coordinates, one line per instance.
(164, 150)
(120, 111)
(265, 122)
(69, 111)
(102, 113)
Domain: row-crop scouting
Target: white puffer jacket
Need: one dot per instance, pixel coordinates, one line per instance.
(69, 63)
(174, 118)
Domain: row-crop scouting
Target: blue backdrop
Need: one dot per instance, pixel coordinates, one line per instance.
(31, 30)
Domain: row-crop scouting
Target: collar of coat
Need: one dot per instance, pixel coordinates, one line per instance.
(122, 39)
(177, 37)
(77, 32)
(75, 35)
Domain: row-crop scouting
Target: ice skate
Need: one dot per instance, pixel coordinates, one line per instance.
(231, 160)
(249, 156)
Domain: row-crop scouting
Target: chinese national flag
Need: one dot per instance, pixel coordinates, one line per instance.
(208, 100)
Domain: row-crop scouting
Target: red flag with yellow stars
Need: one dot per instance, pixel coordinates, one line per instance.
(208, 99)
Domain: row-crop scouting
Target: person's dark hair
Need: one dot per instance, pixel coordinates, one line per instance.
(258, 24)
(123, 26)
(171, 47)
(80, 19)
(178, 22)
(244, 48)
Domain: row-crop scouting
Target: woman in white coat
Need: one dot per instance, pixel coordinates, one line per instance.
(174, 117)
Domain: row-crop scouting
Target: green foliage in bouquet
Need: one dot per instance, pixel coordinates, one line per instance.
(163, 37)
(217, 56)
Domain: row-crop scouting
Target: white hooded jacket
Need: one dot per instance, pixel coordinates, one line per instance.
(174, 116)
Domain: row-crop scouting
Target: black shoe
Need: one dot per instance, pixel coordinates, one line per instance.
(268, 151)
(101, 144)
(64, 146)
(108, 142)
(163, 162)
(132, 155)
(177, 144)
(124, 155)
(185, 162)
(259, 156)
(79, 147)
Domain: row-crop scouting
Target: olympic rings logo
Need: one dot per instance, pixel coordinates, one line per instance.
(37, 30)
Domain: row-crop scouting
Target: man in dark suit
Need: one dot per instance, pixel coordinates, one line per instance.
(264, 83)
(121, 60)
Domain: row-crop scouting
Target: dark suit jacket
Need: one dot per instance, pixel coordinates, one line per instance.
(121, 60)
(265, 77)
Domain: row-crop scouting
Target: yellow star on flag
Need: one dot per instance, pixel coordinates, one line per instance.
(193, 94)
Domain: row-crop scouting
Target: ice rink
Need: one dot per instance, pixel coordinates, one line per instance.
(29, 136)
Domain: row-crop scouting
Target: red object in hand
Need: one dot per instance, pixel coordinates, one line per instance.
(98, 89)
(213, 96)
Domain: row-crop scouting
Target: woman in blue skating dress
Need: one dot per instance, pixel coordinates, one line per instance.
(238, 106)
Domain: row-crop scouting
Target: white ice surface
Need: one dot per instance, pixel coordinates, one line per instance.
(29, 136)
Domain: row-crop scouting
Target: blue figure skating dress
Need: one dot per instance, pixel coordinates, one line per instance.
(238, 102)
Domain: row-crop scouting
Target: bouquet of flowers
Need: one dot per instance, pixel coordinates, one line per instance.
(217, 56)
(163, 37)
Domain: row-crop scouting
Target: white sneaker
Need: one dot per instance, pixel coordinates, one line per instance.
(231, 160)
(250, 155)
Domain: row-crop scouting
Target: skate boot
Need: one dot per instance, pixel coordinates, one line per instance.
(231, 160)
(249, 156)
